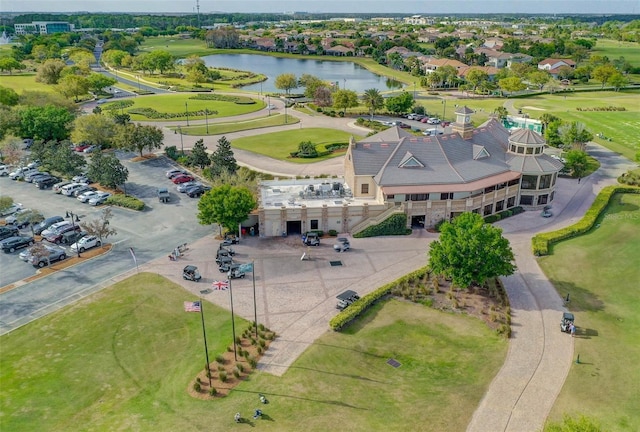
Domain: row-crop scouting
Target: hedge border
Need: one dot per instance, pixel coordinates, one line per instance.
(359, 306)
(541, 242)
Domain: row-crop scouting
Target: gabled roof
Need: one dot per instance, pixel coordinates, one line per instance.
(409, 161)
(479, 152)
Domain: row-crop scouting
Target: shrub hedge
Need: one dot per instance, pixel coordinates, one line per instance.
(359, 306)
(541, 242)
(241, 100)
(126, 201)
(393, 225)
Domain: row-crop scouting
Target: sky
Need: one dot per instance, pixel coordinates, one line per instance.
(409, 7)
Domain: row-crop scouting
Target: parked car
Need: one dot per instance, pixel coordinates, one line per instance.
(33, 164)
(8, 231)
(102, 101)
(197, 191)
(46, 182)
(444, 123)
(14, 219)
(33, 174)
(82, 178)
(86, 242)
(55, 254)
(433, 120)
(71, 237)
(432, 132)
(174, 172)
(83, 189)
(27, 143)
(87, 195)
(100, 198)
(57, 235)
(183, 178)
(69, 189)
(57, 188)
(81, 147)
(12, 244)
(90, 149)
(11, 209)
(19, 173)
(546, 212)
(4, 170)
(163, 195)
(54, 227)
(183, 187)
(26, 254)
(39, 228)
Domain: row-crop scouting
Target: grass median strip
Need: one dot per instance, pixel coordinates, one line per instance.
(275, 119)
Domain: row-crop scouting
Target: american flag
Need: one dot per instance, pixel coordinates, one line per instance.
(220, 285)
(192, 306)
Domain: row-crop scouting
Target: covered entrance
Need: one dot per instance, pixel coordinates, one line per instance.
(294, 227)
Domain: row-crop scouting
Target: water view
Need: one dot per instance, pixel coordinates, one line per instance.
(344, 74)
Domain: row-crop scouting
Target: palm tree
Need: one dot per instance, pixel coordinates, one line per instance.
(373, 100)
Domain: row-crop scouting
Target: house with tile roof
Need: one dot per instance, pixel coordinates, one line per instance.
(553, 66)
(484, 170)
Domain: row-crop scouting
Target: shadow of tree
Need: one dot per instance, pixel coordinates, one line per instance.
(580, 299)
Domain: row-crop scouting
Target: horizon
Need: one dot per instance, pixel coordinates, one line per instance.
(409, 7)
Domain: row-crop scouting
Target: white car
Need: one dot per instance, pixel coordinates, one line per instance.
(20, 173)
(86, 242)
(174, 171)
(4, 170)
(69, 189)
(82, 178)
(13, 219)
(86, 196)
(100, 198)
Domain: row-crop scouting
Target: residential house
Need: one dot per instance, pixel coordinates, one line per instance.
(553, 66)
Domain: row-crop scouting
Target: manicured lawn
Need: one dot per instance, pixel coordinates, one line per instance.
(614, 49)
(122, 360)
(279, 145)
(22, 82)
(623, 127)
(175, 103)
(178, 47)
(275, 119)
(601, 272)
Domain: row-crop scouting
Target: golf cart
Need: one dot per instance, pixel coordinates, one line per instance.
(346, 298)
(343, 245)
(191, 273)
(225, 251)
(230, 239)
(311, 239)
(567, 320)
(235, 272)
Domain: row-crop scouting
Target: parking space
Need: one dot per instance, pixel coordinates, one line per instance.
(153, 232)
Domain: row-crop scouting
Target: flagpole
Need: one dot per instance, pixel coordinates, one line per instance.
(233, 323)
(255, 309)
(204, 336)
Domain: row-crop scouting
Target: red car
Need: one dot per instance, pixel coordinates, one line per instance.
(182, 179)
(81, 147)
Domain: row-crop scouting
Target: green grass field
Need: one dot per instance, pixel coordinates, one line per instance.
(279, 145)
(175, 103)
(602, 281)
(22, 82)
(123, 358)
(275, 119)
(614, 49)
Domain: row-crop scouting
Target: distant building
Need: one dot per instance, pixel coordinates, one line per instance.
(43, 27)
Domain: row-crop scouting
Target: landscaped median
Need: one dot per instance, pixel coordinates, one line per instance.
(542, 242)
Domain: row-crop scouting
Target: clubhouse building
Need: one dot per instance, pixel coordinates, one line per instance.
(483, 170)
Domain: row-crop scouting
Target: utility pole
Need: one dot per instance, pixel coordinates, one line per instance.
(198, 9)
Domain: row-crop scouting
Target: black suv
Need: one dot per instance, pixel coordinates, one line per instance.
(13, 243)
(46, 182)
(46, 224)
(8, 231)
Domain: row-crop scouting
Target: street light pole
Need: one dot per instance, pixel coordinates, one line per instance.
(186, 108)
(444, 109)
(181, 142)
(206, 119)
(74, 219)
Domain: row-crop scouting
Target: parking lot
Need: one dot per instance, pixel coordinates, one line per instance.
(152, 233)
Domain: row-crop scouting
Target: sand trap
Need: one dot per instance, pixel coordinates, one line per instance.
(533, 108)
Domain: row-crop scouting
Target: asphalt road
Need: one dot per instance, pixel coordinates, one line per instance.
(152, 233)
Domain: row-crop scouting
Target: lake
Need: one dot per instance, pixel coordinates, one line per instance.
(345, 74)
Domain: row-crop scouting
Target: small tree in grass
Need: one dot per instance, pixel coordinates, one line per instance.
(470, 251)
(307, 149)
